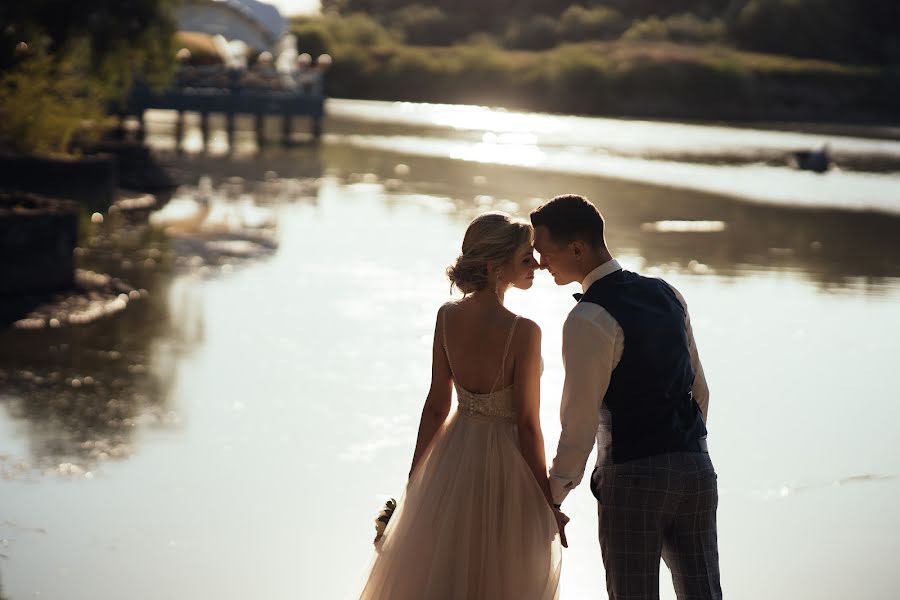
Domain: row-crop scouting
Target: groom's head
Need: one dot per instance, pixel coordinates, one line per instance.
(568, 234)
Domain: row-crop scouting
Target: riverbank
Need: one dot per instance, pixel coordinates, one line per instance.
(661, 80)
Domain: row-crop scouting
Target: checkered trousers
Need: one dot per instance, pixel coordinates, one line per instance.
(659, 506)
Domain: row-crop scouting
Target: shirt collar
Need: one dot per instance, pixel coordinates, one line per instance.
(610, 266)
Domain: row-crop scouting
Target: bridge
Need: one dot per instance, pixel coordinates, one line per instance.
(231, 101)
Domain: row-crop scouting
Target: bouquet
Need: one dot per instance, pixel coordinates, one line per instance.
(383, 518)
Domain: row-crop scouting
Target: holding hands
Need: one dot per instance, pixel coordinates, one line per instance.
(561, 520)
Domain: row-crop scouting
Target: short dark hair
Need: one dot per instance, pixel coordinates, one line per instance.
(571, 217)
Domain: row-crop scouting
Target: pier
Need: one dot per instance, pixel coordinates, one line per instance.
(289, 105)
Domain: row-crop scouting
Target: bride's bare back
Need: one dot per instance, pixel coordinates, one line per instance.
(476, 338)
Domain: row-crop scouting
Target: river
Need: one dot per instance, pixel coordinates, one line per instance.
(233, 433)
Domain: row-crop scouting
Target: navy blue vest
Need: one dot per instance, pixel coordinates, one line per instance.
(649, 395)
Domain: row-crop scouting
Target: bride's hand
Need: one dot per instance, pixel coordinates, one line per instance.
(561, 520)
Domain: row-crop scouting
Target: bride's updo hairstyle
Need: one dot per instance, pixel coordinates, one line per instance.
(492, 237)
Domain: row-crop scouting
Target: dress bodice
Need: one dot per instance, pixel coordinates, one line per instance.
(497, 404)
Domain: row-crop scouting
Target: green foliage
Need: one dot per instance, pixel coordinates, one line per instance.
(685, 29)
(659, 79)
(690, 29)
(669, 58)
(313, 37)
(808, 28)
(359, 29)
(860, 31)
(652, 29)
(536, 33)
(82, 57)
(45, 101)
(578, 24)
(482, 39)
(641, 9)
(126, 39)
(427, 26)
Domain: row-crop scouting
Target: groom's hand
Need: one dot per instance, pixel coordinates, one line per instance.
(561, 520)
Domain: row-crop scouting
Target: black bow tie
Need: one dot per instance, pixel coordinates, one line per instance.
(578, 297)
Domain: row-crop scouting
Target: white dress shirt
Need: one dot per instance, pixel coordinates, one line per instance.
(592, 347)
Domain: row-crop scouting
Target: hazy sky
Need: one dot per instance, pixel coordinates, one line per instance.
(294, 7)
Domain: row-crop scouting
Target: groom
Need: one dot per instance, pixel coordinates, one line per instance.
(634, 384)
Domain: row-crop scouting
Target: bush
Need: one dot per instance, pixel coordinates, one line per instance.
(313, 37)
(427, 26)
(684, 28)
(652, 29)
(357, 29)
(536, 33)
(579, 24)
(688, 29)
(805, 28)
(481, 39)
(44, 102)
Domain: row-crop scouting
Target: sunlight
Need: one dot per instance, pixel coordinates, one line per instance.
(488, 119)
(504, 154)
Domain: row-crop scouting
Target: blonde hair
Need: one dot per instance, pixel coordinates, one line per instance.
(490, 237)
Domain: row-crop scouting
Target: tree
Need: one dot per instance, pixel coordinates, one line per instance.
(62, 63)
(804, 28)
(427, 26)
(537, 33)
(124, 38)
(578, 23)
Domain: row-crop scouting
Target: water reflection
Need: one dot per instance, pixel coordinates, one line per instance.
(727, 160)
(273, 173)
(862, 148)
(836, 249)
(81, 392)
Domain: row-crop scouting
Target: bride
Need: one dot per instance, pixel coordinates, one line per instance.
(477, 521)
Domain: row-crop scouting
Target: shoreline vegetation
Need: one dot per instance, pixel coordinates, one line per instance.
(623, 79)
(619, 59)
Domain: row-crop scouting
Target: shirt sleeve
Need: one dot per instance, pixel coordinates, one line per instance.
(588, 354)
(700, 390)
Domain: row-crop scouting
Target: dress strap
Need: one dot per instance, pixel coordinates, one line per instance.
(505, 352)
(444, 338)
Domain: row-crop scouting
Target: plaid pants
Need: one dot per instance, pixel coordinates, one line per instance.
(659, 506)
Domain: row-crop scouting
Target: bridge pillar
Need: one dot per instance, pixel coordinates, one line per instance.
(142, 127)
(119, 131)
(286, 128)
(260, 122)
(179, 129)
(317, 128)
(229, 128)
(204, 129)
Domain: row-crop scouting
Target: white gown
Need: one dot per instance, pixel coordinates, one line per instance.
(474, 524)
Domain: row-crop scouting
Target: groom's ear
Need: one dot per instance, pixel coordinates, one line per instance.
(577, 248)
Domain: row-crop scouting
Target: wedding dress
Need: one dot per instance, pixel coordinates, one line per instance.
(474, 524)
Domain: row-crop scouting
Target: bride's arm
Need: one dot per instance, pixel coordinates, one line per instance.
(527, 399)
(437, 403)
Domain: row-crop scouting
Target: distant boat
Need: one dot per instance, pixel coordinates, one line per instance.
(818, 161)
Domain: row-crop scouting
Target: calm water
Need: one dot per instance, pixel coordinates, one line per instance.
(234, 434)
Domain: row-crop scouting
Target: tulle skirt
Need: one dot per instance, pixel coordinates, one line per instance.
(473, 524)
